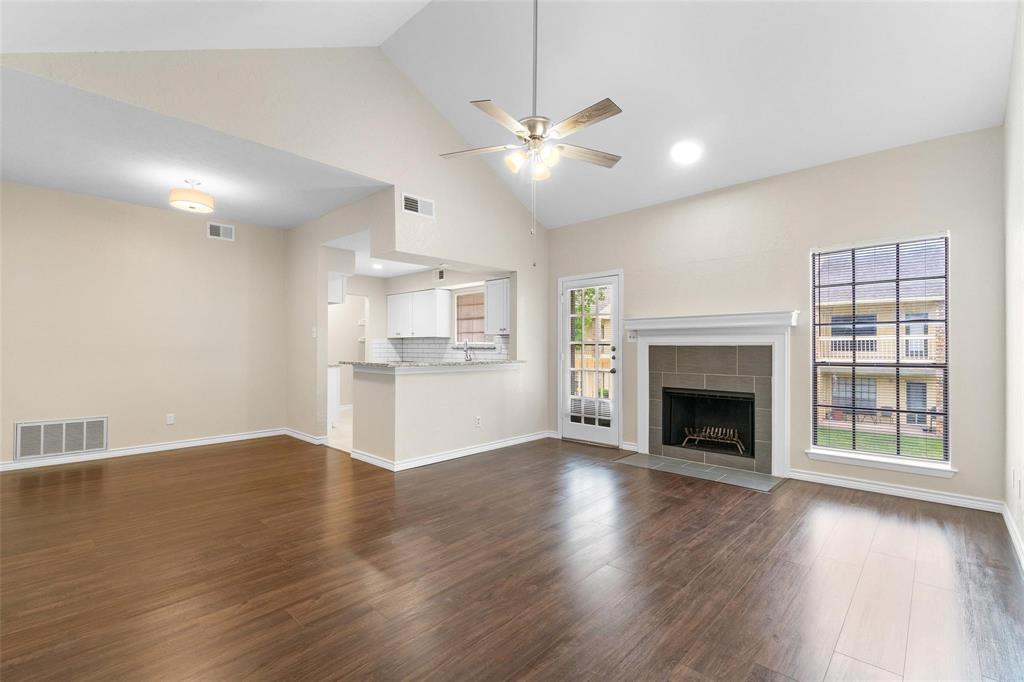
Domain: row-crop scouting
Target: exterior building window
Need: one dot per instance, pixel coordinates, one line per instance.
(469, 318)
(880, 354)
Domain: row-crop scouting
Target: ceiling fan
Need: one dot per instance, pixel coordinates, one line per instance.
(537, 146)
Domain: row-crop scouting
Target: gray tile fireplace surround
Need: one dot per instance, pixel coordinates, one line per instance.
(725, 368)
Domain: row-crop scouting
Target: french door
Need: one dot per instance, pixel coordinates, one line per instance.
(589, 389)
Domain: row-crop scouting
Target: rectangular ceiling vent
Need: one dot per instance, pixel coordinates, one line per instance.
(37, 440)
(218, 231)
(418, 205)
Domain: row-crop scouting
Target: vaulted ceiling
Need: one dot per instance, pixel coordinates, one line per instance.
(766, 87)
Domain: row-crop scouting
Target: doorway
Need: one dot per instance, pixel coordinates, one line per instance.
(346, 341)
(590, 324)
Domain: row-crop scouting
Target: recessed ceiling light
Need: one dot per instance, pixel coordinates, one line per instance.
(377, 266)
(687, 152)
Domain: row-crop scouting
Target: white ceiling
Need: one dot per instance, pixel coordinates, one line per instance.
(63, 138)
(768, 87)
(360, 243)
(44, 26)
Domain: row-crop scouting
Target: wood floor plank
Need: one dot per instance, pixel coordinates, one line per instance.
(875, 630)
(846, 669)
(277, 559)
(940, 643)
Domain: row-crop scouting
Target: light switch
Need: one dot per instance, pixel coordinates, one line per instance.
(169, 420)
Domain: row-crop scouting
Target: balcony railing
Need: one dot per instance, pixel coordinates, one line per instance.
(922, 348)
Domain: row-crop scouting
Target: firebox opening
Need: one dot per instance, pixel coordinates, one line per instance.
(710, 421)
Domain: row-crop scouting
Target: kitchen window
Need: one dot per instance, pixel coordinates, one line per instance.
(879, 359)
(469, 318)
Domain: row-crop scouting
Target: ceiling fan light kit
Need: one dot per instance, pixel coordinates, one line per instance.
(536, 148)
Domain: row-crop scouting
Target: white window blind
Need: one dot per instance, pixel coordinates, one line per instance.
(880, 357)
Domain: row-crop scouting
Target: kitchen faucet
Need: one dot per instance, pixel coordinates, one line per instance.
(465, 348)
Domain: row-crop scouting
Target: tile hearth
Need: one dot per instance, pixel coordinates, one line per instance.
(747, 479)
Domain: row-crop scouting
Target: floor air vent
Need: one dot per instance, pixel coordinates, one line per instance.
(53, 438)
(418, 205)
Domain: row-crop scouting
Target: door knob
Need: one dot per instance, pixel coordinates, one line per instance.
(613, 349)
(611, 371)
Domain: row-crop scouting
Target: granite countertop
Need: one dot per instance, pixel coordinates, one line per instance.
(438, 363)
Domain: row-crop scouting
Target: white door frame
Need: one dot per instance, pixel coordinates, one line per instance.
(617, 338)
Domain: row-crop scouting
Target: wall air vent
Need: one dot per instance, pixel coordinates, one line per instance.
(440, 275)
(36, 440)
(418, 205)
(218, 231)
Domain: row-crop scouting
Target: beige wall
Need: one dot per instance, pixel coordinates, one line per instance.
(747, 249)
(416, 415)
(349, 108)
(132, 312)
(1014, 155)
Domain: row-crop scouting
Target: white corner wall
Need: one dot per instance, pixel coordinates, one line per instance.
(1014, 156)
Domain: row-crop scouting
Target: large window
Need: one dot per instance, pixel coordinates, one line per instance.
(469, 318)
(880, 353)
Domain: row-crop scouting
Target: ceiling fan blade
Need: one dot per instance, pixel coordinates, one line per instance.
(480, 150)
(503, 118)
(589, 155)
(589, 116)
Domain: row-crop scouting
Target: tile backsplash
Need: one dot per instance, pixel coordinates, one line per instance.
(432, 350)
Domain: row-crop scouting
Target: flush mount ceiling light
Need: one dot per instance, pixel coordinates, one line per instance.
(535, 148)
(190, 199)
(377, 266)
(687, 152)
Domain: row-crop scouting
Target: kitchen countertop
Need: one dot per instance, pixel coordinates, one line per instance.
(426, 367)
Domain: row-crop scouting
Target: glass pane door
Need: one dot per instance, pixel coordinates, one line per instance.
(591, 361)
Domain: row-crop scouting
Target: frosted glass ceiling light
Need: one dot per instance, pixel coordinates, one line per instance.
(190, 199)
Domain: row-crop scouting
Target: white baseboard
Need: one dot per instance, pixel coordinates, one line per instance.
(157, 447)
(301, 435)
(955, 499)
(1015, 535)
(448, 454)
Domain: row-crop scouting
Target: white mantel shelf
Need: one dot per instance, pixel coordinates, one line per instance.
(782, 318)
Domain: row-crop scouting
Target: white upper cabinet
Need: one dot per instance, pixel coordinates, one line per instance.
(426, 313)
(399, 315)
(335, 288)
(497, 306)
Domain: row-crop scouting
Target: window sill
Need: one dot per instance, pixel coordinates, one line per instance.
(479, 345)
(939, 469)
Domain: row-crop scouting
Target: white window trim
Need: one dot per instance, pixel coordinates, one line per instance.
(863, 459)
(923, 467)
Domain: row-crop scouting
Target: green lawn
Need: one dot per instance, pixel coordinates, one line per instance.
(919, 446)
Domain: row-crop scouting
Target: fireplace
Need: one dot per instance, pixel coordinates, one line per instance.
(708, 420)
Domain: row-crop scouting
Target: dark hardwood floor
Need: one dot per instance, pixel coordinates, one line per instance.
(274, 559)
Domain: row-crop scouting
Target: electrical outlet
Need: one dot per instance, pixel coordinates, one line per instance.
(169, 419)
(477, 422)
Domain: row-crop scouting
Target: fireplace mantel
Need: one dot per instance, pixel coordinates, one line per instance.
(731, 329)
(779, 319)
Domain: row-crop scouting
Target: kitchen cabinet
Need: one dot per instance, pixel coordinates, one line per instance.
(335, 288)
(426, 313)
(497, 306)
